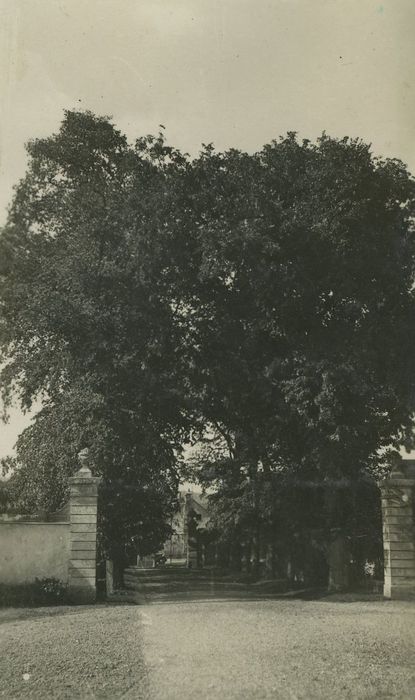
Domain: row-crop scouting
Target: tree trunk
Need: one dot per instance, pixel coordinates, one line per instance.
(257, 554)
(338, 549)
(247, 558)
(235, 556)
(119, 563)
(270, 559)
(338, 560)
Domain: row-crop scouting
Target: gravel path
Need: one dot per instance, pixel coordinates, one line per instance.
(216, 649)
(73, 652)
(280, 649)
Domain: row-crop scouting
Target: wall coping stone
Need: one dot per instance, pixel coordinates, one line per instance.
(34, 522)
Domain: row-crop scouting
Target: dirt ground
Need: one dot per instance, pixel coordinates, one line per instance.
(216, 649)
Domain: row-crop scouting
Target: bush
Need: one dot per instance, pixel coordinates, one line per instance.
(45, 591)
(50, 590)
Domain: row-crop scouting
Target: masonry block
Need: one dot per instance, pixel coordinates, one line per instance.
(84, 518)
(83, 554)
(79, 545)
(83, 501)
(87, 509)
(84, 528)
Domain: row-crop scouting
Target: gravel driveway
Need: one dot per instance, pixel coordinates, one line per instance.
(72, 652)
(280, 649)
(216, 649)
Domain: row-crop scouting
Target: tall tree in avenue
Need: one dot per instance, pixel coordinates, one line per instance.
(87, 326)
(303, 303)
(304, 318)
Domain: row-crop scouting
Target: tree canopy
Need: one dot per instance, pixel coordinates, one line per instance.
(86, 320)
(264, 301)
(304, 305)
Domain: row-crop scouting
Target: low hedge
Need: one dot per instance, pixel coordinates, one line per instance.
(45, 591)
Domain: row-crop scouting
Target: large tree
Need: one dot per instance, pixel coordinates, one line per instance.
(305, 323)
(87, 325)
(303, 303)
(145, 298)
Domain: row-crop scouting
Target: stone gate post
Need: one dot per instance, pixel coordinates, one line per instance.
(398, 514)
(83, 537)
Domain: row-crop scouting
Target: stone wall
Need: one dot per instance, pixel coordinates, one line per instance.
(62, 550)
(30, 550)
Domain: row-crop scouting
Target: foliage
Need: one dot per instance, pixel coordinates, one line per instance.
(277, 523)
(303, 306)
(133, 519)
(262, 303)
(305, 309)
(86, 325)
(45, 591)
(6, 496)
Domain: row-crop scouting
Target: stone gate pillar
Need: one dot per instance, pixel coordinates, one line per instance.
(83, 537)
(398, 514)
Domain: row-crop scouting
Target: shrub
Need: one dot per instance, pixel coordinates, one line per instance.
(50, 590)
(45, 591)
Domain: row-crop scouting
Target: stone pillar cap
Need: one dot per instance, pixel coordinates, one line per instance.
(83, 457)
(402, 474)
(84, 474)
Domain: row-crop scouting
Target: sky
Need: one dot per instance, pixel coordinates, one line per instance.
(237, 73)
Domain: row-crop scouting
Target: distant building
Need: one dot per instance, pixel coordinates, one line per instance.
(192, 515)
